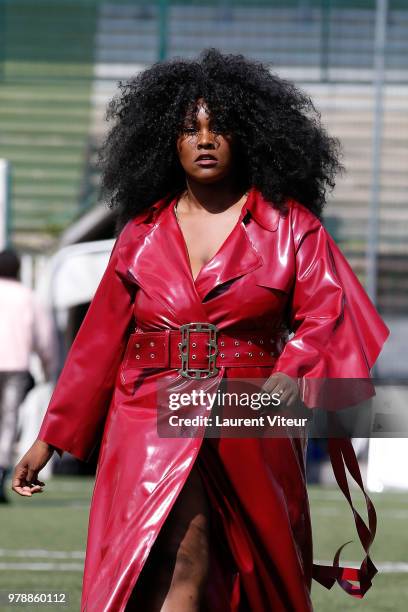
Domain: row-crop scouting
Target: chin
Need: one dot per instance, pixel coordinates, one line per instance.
(208, 176)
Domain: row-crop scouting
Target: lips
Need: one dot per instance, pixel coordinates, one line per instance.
(206, 156)
(206, 159)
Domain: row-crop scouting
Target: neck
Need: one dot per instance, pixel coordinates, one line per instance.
(213, 197)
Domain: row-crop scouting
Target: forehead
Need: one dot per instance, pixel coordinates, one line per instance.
(198, 110)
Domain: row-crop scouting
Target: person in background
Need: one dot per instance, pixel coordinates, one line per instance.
(25, 326)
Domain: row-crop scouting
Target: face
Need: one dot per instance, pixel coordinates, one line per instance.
(206, 156)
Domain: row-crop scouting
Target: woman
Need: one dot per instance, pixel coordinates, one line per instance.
(218, 170)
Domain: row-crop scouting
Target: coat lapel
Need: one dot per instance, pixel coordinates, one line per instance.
(239, 255)
(155, 257)
(268, 232)
(236, 257)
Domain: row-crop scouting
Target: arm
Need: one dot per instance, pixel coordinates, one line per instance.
(75, 416)
(338, 333)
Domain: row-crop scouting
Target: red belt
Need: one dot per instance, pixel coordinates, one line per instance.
(198, 350)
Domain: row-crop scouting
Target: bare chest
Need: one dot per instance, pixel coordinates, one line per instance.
(204, 236)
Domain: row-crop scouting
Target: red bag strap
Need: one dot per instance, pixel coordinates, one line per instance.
(342, 455)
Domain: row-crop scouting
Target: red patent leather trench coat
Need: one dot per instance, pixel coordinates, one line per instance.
(271, 264)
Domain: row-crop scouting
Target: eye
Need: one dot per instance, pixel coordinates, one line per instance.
(219, 129)
(189, 129)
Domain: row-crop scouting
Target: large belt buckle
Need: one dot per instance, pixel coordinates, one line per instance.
(198, 373)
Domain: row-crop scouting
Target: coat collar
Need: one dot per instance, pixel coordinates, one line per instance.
(262, 210)
(236, 257)
(150, 242)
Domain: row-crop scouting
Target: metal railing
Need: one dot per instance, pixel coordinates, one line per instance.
(60, 61)
(329, 40)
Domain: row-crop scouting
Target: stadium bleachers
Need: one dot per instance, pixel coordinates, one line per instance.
(45, 82)
(56, 79)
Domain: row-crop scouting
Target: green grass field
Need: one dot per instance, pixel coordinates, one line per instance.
(42, 543)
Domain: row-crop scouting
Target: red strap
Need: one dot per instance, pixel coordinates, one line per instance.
(342, 454)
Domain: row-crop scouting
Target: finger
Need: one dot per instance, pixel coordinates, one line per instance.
(22, 493)
(293, 398)
(277, 400)
(21, 483)
(19, 476)
(22, 490)
(280, 393)
(279, 389)
(29, 490)
(37, 486)
(270, 384)
(35, 481)
(275, 390)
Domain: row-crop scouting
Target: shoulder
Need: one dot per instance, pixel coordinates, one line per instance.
(301, 216)
(302, 221)
(135, 227)
(14, 292)
(142, 222)
(15, 287)
(130, 238)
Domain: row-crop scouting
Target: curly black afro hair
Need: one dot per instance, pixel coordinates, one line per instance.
(283, 149)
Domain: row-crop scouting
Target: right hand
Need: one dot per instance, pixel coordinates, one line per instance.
(25, 481)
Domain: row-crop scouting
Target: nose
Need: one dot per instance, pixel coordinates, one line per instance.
(206, 140)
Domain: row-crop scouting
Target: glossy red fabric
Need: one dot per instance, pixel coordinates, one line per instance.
(271, 263)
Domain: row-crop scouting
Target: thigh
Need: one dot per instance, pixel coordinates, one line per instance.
(188, 519)
(182, 541)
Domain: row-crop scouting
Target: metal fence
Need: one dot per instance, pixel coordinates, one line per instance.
(60, 61)
(328, 39)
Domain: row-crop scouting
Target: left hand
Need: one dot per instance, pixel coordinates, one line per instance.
(283, 386)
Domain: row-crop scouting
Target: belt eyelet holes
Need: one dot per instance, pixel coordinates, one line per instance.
(250, 354)
(152, 355)
(179, 344)
(194, 344)
(236, 354)
(137, 356)
(222, 355)
(249, 341)
(236, 342)
(261, 342)
(261, 354)
(137, 345)
(152, 343)
(193, 356)
(222, 343)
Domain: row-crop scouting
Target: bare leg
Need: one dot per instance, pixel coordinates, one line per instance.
(175, 573)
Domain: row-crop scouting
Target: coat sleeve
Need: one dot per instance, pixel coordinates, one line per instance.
(337, 332)
(337, 337)
(76, 413)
